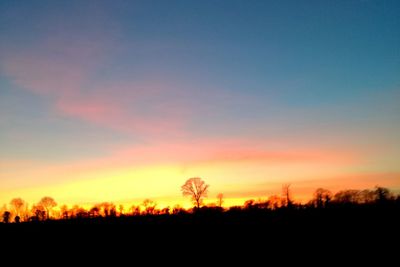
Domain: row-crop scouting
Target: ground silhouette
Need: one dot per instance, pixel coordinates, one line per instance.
(366, 220)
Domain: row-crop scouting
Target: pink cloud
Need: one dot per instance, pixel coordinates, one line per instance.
(252, 154)
(216, 151)
(90, 110)
(130, 108)
(192, 153)
(61, 73)
(226, 154)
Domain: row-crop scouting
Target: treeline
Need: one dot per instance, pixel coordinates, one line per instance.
(46, 209)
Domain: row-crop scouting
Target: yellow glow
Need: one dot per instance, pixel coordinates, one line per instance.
(238, 181)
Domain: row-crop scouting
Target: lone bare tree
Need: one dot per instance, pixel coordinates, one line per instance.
(286, 196)
(48, 204)
(196, 188)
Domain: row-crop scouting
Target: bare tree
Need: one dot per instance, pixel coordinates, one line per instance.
(220, 198)
(18, 206)
(286, 195)
(48, 204)
(196, 188)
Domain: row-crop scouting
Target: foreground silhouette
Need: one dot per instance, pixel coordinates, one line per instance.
(367, 219)
(345, 225)
(350, 204)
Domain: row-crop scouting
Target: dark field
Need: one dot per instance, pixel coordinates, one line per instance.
(348, 227)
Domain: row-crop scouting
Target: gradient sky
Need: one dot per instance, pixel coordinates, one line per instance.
(124, 100)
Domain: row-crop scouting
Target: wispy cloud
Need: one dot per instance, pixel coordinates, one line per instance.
(63, 78)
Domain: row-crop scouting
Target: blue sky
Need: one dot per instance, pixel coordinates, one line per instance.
(81, 80)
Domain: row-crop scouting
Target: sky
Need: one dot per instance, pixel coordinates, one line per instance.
(124, 100)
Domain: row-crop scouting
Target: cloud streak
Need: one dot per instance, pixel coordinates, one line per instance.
(63, 77)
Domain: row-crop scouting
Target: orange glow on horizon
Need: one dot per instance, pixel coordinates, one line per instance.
(161, 183)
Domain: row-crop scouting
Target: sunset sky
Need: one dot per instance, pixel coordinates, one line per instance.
(124, 100)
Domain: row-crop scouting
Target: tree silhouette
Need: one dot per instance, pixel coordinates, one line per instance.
(367, 196)
(18, 205)
(64, 211)
(38, 212)
(113, 210)
(177, 209)
(274, 202)
(220, 198)
(196, 188)
(74, 211)
(6, 216)
(149, 206)
(166, 210)
(108, 208)
(82, 213)
(382, 194)
(48, 204)
(322, 197)
(135, 210)
(94, 211)
(248, 204)
(377, 206)
(286, 196)
(349, 196)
